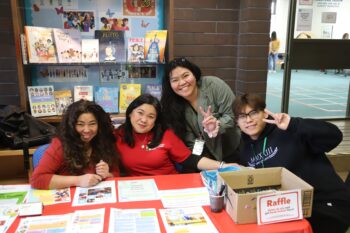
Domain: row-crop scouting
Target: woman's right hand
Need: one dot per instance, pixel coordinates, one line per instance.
(88, 180)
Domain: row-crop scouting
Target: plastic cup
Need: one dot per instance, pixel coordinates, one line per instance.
(216, 203)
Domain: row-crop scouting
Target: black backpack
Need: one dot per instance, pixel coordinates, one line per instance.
(20, 130)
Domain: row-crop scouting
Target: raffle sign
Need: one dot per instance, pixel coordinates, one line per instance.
(279, 207)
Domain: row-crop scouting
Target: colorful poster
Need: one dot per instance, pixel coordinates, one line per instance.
(139, 7)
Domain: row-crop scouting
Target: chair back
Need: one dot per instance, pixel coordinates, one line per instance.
(38, 153)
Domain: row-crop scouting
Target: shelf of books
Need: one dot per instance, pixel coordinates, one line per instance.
(106, 51)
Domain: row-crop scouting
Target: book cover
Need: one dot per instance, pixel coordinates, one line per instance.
(63, 99)
(154, 89)
(111, 46)
(155, 42)
(40, 44)
(90, 50)
(128, 92)
(68, 44)
(136, 49)
(83, 92)
(42, 101)
(107, 98)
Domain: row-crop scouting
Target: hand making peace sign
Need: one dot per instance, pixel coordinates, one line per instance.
(281, 120)
(210, 124)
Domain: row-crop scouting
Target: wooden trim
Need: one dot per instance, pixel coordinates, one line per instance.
(15, 152)
(169, 11)
(17, 30)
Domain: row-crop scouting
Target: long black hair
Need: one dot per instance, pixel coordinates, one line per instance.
(174, 105)
(103, 144)
(158, 129)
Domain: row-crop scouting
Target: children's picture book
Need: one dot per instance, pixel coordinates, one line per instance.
(42, 101)
(40, 44)
(128, 92)
(83, 92)
(63, 99)
(136, 49)
(155, 42)
(107, 97)
(111, 45)
(49, 197)
(103, 192)
(154, 89)
(68, 44)
(90, 50)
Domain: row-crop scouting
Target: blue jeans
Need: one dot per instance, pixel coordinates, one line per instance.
(272, 61)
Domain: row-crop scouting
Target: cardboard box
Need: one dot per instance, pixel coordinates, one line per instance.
(244, 186)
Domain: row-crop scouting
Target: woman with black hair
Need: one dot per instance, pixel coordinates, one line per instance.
(147, 147)
(199, 110)
(83, 153)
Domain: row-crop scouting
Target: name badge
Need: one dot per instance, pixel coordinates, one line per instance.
(198, 147)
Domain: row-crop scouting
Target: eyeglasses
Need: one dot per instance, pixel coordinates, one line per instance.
(242, 117)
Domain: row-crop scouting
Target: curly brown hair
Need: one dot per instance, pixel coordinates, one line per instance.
(103, 144)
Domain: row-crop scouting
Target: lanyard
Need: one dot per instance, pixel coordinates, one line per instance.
(263, 151)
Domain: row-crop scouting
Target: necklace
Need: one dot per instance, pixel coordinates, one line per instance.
(144, 144)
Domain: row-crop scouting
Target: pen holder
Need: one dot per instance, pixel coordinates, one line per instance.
(216, 203)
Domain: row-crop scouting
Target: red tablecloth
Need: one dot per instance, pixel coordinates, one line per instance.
(222, 221)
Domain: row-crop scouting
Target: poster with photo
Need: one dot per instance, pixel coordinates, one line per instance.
(304, 19)
(113, 73)
(83, 21)
(305, 2)
(329, 17)
(139, 7)
(66, 73)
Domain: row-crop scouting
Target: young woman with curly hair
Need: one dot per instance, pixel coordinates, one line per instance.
(83, 153)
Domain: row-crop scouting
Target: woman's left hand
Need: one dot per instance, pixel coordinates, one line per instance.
(102, 169)
(210, 124)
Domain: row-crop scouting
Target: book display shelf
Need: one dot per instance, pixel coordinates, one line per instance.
(73, 49)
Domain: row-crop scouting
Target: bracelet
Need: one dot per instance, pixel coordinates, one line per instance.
(221, 164)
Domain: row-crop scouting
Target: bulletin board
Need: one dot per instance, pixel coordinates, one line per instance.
(86, 16)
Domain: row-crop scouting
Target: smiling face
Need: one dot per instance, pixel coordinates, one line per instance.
(143, 118)
(183, 83)
(87, 127)
(250, 121)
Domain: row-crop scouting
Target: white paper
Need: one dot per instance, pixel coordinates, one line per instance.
(304, 19)
(56, 223)
(101, 193)
(28, 209)
(279, 207)
(133, 220)
(8, 214)
(13, 194)
(192, 219)
(85, 221)
(184, 197)
(137, 190)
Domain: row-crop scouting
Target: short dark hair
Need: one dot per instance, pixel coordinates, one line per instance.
(254, 101)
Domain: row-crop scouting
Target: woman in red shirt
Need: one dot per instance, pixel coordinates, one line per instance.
(82, 154)
(147, 147)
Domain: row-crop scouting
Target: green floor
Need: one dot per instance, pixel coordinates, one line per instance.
(313, 94)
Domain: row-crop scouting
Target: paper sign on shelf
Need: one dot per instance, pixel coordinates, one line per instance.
(279, 207)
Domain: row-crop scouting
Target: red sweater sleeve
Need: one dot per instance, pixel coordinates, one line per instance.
(51, 163)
